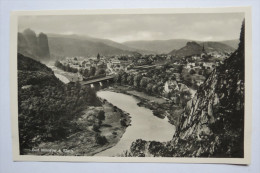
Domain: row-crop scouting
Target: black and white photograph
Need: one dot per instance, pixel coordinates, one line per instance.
(144, 84)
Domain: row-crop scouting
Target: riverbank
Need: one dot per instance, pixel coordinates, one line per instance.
(68, 75)
(160, 106)
(94, 135)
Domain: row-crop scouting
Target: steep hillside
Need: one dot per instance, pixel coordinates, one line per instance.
(46, 106)
(75, 46)
(157, 46)
(37, 47)
(212, 124)
(31, 72)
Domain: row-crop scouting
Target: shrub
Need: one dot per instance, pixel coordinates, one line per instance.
(123, 122)
(101, 115)
(96, 127)
(192, 72)
(101, 140)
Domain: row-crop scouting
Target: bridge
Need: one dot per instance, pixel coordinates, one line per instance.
(92, 81)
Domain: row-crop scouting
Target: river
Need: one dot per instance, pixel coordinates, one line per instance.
(58, 73)
(144, 125)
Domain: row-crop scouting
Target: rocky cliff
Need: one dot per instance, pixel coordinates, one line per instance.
(212, 124)
(37, 47)
(191, 48)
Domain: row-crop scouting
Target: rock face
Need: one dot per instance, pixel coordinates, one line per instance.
(43, 46)
(31, 45)
(212, 124)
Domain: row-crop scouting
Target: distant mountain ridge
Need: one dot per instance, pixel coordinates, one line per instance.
(44, 46)
(93, 40)
(216, 46)
(194, 48)
(231, 43)
(158, 46)
(166, 46)
(62, 46)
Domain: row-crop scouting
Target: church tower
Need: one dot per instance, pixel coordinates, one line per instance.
(98, 57)
(203, 49)
(203, 53)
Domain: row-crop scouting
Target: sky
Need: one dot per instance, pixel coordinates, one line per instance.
(129, 27)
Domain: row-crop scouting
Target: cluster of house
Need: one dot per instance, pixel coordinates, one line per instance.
(197, 62)
(172, 86)
(82, 62)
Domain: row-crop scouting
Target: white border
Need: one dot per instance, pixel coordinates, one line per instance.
(248, 86)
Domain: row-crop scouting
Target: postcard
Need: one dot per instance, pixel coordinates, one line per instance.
(132, 85)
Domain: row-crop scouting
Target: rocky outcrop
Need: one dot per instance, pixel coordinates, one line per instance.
(31, 45)
(191, 48)
(43, 46)
(194, 48)
(212, 124)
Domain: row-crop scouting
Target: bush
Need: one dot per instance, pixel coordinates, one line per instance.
(192, 72)
(123, 122)
(101, 115)
(101, 140)
(96, 127)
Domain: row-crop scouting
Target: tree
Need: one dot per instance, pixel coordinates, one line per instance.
(101, 115)
(130, 79)
(192, 72)
(155, 89)
(184, 98)
(100, 71)
(92, 71)
(149, 88)
(137, 80)
(118, 77)
(101, 140)
(180, 68)
(124, 78)
(86, 73)
(144, 81)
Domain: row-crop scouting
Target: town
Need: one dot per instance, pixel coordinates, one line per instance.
(163, 74)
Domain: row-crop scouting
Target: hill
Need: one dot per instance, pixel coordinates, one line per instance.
(166, 46)
(157, 46)
(194, 48)
(105, 41)
(231, 43)
(74, 45)
(46, 106)
(191, 48)
(211, 46)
